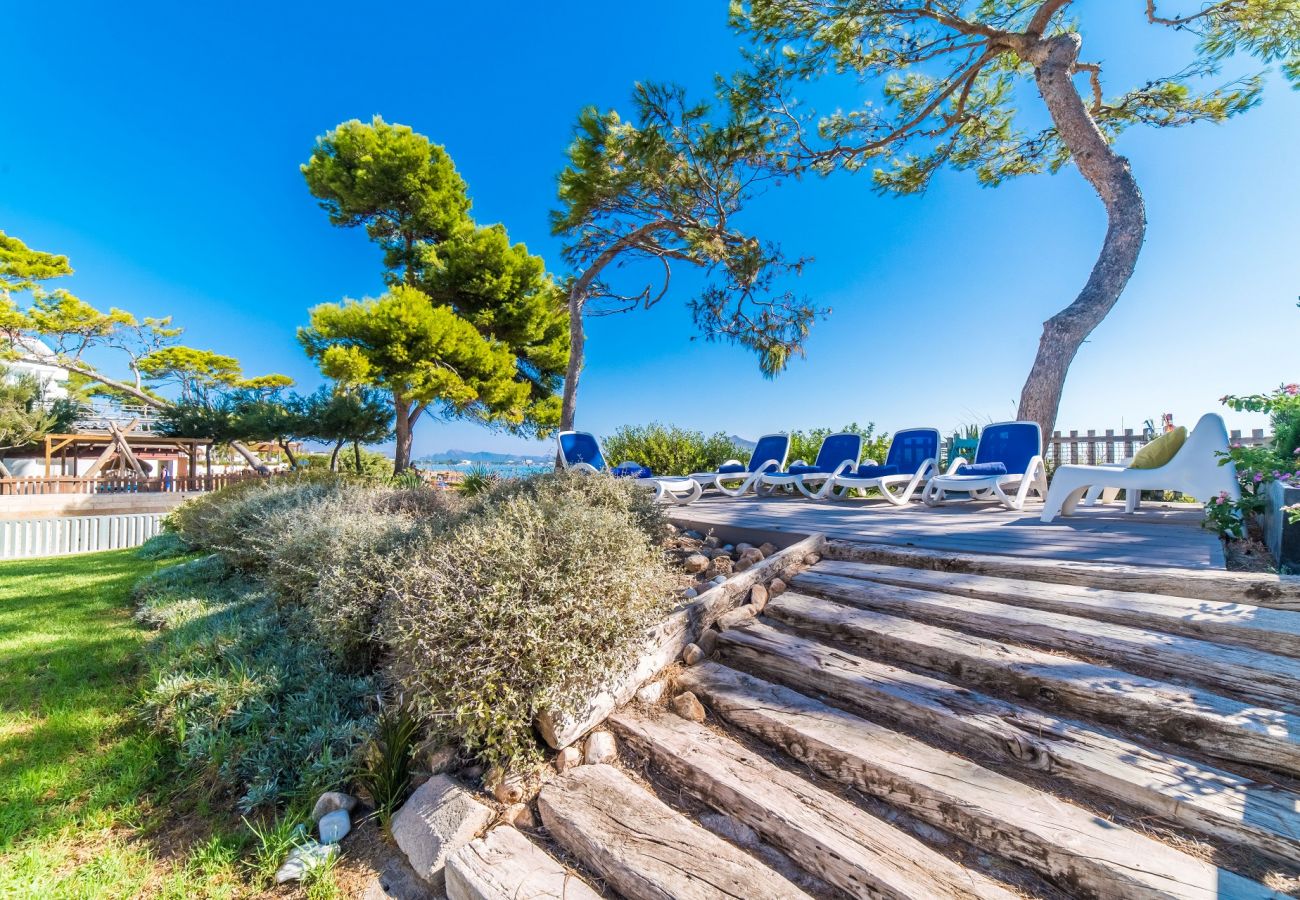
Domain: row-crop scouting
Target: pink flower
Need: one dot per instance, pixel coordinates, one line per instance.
(1292, 389)
(1258, 477)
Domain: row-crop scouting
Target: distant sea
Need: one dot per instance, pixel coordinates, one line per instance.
(500, 469)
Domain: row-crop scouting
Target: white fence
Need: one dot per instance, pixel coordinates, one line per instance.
(75, 534)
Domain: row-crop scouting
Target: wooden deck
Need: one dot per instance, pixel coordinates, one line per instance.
(1157, 535)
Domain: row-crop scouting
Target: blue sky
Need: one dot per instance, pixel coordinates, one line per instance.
(158, 146)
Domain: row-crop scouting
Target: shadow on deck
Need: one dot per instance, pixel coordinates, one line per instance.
(1157, 535)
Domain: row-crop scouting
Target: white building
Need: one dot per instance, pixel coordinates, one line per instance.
(53, 379)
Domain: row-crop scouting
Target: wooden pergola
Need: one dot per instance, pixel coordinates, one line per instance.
(121, 448)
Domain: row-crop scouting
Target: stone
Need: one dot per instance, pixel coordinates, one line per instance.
(776, 587)
(693, 535)
(728, 547)
(473, 773)
(748, 559)
(758, 597)
(696, 562)
(688, 706)
(692, 654)
(330, 801)
(712, 541)
(519, 815)
(508, 789)
(742, 547)
(333, 827)
(720, 579)
(442, 759)
(708, 641)
(303, 858)
(737, 616)
(567, 758)
(599, 748)
(397, 881)
(650, 694)
(690, 593)
(721, 565)
(768, 549)
(671, 529)
(811, 559)
(435, 822)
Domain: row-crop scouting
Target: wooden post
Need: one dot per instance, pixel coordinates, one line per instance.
(1092, 447)
(1074, 447)
(1110, 445)
(1056, 447)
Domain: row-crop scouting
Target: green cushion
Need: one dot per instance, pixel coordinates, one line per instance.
(1161, 450)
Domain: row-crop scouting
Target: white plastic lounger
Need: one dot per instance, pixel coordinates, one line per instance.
(735, 479)
(912, 459)
(838, 454)
(1194, 470)
(1010, 454)
(582, 452)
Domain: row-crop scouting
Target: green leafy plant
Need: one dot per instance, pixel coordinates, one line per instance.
(386, 763)
(670, 450)
(272, 841)
(476, 481)
(1259, 467)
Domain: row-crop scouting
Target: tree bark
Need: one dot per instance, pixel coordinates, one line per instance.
(578, 295)
(125, 388)
(356, 455)
(1112, 178)
(334, 456)
(577, 349)
(288, 454)
(407, 414)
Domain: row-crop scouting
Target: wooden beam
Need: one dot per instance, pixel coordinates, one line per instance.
(1240, 624)
(645, 848)
(107, 452)
(1266, 678)
(1217, 725)
(844, 846)
(505, 865)
(1274, 591)
(1208, 800)
(1081, 852)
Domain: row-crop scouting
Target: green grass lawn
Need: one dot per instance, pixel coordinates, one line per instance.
(83, 787)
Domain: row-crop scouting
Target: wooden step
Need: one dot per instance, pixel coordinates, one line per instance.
(644, 848)
(505, 865)
(1205, 799)
(1219, 726)
(1273, 591)
(828, 836)
(1264, 678)
(1239, 624)
(1084, 854)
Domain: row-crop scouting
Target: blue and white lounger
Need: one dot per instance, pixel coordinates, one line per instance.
(1009, 454)
(581, 451)
(838, 454)
(735, 479)
(913, 458)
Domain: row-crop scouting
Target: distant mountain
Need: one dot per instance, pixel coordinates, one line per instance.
(741, 442)
(477, 456)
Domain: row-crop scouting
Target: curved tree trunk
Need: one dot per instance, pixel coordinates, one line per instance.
(577, 348)
(402, 432)
(1112, 178)
(334, 455)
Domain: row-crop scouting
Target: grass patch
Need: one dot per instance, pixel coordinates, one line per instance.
(77, 770)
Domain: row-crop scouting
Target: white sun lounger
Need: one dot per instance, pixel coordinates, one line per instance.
(912, 459)
(1195, 470)
(1015, 447)
(581, 451)
(838, 454)
(735, 479)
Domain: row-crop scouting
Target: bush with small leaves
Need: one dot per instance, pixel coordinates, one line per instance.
(541, 592)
